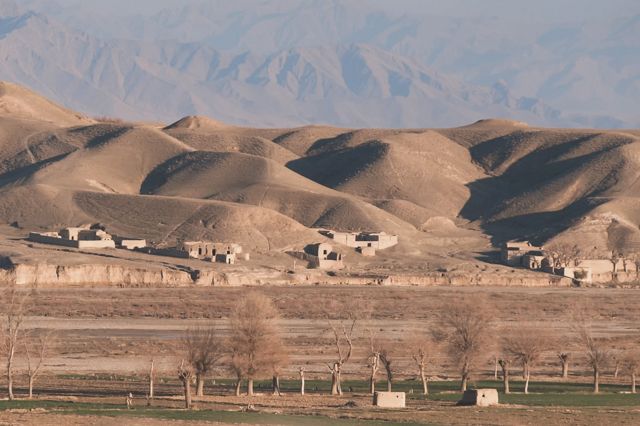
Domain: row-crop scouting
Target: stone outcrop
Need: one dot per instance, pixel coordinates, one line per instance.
(115, 275)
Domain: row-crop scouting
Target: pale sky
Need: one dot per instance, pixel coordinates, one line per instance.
(553, 10)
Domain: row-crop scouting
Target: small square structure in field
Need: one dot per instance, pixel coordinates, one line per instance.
(479, 397)
(389, 399)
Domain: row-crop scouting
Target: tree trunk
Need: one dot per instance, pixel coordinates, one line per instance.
(31, 379)
(275, 381)
(423, 378)
(388, 384)
(250, 386)
(151, 377)
(339, 381)
(616, 371)
(187, 394)
(301, 381)
(633, 382)
(463, 383)
(238, 386)
(596, 380)
(10, 376)
(495, 368)
(526, 382)
(505, 377)
(199, 385)
(565, 369)
(335, 380)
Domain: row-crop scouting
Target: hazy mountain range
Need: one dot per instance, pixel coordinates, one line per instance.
(283, 63)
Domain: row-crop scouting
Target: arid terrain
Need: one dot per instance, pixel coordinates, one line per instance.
(452, 196)
(449, 194)
(106, 338)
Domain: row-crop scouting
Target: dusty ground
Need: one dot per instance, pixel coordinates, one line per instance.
(118, 330)
(106, 338)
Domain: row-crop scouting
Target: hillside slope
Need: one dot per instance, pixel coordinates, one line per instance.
(445, 192)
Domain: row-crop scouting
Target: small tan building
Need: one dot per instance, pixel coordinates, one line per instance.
(226, 258)
(376, 240)
(480, 397)
(513, 252)
(77, 237)
(367, 251)
(209, 250)
(322, 256)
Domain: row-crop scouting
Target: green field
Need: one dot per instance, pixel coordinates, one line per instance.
(542, 394)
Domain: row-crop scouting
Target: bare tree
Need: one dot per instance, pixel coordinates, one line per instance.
(237, 366)
(421, 349)
(635, 258)
(468, 325)
(616, 255)
(617, 363)
(254, 340)
(185, 375)
(278, 360)
(152, 376)
(505, 364)
(526, 346)
(204, 350)
(36, 350)
(561, 255)
(15, 305)
(342, 331)
(373, 361)
(386, 358)
(632, 366)
(564, 362)
(597, 351)
(301, 371)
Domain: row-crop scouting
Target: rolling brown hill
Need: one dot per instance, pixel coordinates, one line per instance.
(444, 191)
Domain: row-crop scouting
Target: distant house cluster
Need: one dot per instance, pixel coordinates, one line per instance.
(98, 238)
(524, 254)
(227, 253)
(366, 243)
(325, 256)
(86, 238)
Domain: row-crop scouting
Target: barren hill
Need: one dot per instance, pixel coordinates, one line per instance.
(445, 192)
(19, 102)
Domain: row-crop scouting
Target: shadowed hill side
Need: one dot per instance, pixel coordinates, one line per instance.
(482, 130)
(266, 187)
(168, 219)
(248, 179)
(118, 164)
(550, 178)
(425, 169)
(300, 140)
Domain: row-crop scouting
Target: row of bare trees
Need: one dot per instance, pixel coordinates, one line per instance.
(562, 254)
(469, 338)
(465, 333)
(254, 347)
(14, 338)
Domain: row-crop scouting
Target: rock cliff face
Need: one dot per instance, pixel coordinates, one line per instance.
(108, 275)
(48, 275)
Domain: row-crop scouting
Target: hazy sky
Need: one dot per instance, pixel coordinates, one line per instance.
(553, 10)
